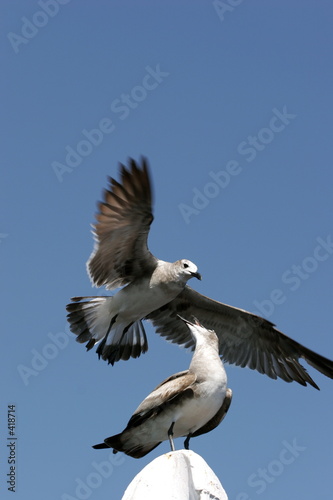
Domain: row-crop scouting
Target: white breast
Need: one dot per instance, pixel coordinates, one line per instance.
(198, 411)
(137, 300)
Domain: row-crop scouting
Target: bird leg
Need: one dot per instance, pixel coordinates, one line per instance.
(170, 436)
(187, 441)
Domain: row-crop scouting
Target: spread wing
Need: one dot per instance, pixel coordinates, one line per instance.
(121, 231)
(170, 391)
(245, 339)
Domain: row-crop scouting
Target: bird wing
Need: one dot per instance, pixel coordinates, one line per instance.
(171, 391)
(218, 417)
(123, 220)
(245, 339)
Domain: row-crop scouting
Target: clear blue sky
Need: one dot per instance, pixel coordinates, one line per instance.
(234, 112)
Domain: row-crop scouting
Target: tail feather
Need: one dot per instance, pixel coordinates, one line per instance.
(121, 442)
(111, 442)
(100, 446)
(131, 344)
(90, 319)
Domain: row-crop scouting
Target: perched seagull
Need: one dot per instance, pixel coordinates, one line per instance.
(188, 403)
(157, 291)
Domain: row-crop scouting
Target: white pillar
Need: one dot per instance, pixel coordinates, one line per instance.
(177, 475)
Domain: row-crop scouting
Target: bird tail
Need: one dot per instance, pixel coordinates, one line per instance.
(91, 319)
(100, 446)
(111, 442)
(125, 443)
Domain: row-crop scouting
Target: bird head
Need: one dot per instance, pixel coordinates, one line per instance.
(187, 269)
(199, 333)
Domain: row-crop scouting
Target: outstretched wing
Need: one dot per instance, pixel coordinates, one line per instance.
(121, 231)
(245, 339)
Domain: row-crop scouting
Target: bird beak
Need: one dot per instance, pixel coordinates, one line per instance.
(188, 322)
(195, 322)
(197, 275)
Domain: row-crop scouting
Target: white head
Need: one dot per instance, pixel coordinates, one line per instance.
(200, 334)
(187, 270)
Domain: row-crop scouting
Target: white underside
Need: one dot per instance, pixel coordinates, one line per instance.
(130, 304)
(188, 417)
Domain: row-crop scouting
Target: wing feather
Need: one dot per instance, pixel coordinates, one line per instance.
(121, 230)
(245, 339)
(170, 391)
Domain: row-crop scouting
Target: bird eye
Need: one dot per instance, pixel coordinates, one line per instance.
(185, 265)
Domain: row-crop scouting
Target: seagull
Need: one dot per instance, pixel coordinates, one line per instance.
(189, 403)
(121, 257)
(157, 291)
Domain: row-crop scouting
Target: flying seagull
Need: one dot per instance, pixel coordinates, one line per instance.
(158, 291)
(189, 403)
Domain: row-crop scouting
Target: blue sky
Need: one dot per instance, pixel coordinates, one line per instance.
(233, 107)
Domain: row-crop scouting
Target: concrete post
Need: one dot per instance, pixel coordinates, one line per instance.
(177, 475)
